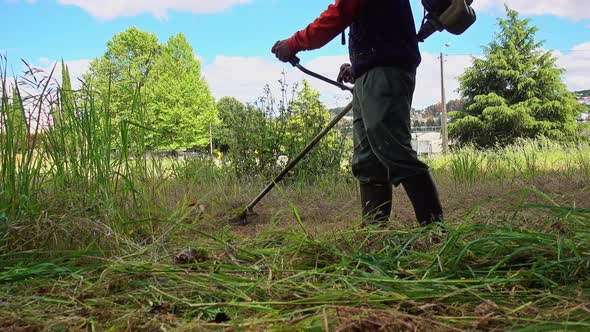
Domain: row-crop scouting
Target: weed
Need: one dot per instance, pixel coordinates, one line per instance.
(465, 165)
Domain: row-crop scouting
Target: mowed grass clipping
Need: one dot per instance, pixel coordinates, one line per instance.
(469, 275)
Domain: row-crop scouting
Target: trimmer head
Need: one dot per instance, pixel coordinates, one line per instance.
(241, 219)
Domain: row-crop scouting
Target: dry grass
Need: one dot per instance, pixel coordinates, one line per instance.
(327, 210)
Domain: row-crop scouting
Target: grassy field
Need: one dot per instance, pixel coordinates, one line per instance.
(91, 240)
(515, 254)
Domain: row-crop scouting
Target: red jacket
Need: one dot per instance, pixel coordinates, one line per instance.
(329, 25)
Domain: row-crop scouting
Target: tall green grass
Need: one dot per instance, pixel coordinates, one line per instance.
(524, 161)
(20, 165)
(77, 177)
(466, 166)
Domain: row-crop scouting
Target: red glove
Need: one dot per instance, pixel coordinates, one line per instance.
(282, 50)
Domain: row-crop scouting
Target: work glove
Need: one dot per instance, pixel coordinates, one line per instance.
(282, 50)
(346, 74)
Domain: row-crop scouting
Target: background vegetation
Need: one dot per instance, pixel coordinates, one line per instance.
(515, 91)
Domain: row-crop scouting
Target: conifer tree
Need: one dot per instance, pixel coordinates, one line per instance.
(514, 91)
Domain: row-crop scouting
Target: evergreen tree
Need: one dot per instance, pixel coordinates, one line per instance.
(515, 91)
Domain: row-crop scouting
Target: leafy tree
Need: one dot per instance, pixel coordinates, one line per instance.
(256, 135)
(433, 122)
(124, 68)
(230, 112)
(455, 105)
(119, 76)
(515, 91)
(242, 132)
(307, 117)
(158, 88)
(433, 110)
(181, 103)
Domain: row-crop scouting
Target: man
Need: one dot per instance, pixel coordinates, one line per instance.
(384, 56)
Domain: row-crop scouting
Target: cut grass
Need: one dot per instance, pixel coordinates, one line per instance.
(475, 277)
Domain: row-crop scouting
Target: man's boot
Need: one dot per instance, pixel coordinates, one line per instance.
(376, 203)
(423, 194)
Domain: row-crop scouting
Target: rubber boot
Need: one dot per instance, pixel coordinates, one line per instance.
(376, 203)
(423, 194)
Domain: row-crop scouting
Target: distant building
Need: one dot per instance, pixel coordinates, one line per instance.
(427, 143)
(584, 98)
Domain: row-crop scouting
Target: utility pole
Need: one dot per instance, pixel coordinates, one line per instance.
(443, 118)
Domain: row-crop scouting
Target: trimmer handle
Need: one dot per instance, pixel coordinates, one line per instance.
(294, 61)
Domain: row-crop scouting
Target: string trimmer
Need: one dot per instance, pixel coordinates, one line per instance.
(242, 218)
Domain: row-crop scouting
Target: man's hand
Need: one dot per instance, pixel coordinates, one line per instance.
(346, 74)
(282, 51)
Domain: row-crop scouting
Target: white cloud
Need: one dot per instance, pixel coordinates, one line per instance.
(428, 85)
(245, 78)
(576, 76)
(109, 9)
(36, 87)
(571, 9)
(77, 69)
(577, 66)
(329, 66)
(241, 77)
(30, 92)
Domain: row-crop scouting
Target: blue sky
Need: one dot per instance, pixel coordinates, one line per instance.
(233, 37)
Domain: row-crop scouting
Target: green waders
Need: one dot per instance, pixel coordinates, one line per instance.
(383, 153)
